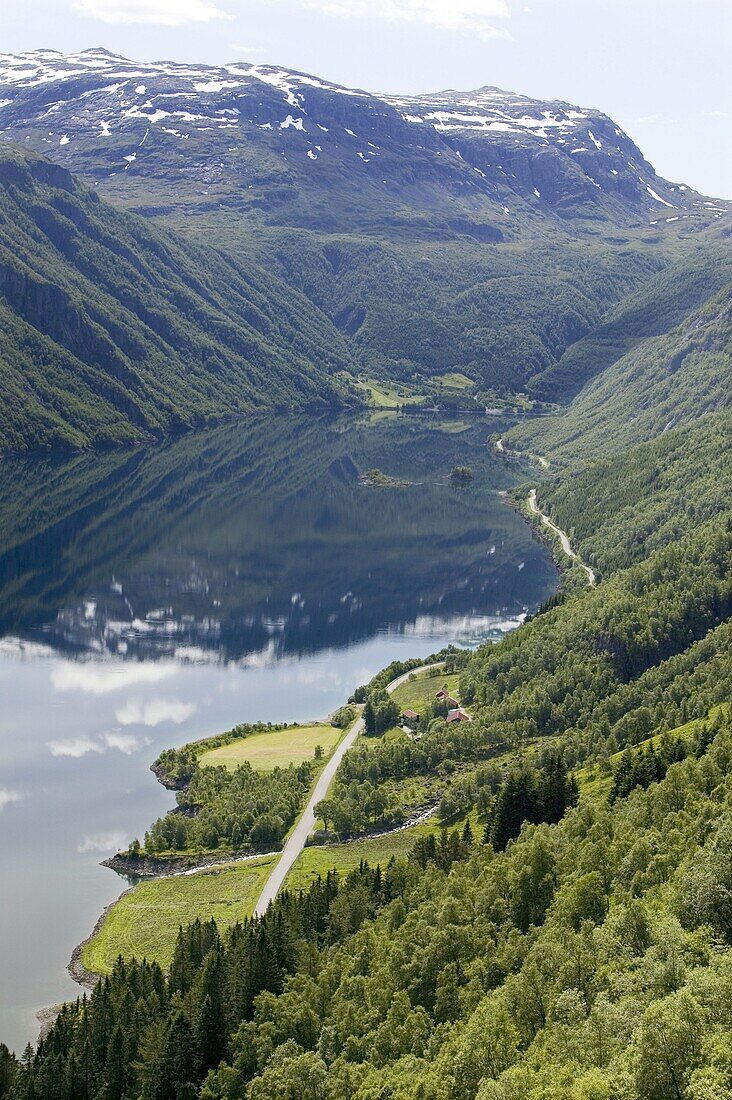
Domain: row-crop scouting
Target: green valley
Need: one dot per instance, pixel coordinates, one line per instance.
(472, 500)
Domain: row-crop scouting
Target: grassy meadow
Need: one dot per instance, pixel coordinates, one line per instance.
(274, 748)
(145, 921)
(416, 694)
(319, 860)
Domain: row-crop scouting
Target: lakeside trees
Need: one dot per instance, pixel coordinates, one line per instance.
(588, 960)
(577, 953)
(233, 809)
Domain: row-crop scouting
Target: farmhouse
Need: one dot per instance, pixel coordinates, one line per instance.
(443, 696)
(410, 715)
(457, 714)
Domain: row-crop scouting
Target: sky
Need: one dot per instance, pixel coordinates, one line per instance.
(660, 68)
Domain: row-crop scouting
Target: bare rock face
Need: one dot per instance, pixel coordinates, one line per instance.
(292, 149)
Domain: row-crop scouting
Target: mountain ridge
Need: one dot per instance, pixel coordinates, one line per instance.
(560, 158)
(116, 331)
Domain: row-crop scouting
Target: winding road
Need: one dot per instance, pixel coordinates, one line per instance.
(563, 538)
(500, 449)
(299, 835)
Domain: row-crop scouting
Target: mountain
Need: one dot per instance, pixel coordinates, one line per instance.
(483, 233)
(667, 359)
(292, 149)
(115, 331)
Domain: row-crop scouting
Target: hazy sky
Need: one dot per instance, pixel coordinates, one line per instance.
(661, 68)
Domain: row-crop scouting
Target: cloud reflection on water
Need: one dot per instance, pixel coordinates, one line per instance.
(153, 712)
(98, 678)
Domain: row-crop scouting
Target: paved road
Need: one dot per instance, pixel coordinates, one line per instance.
(501, 449)
(563, 538)
(296, 840)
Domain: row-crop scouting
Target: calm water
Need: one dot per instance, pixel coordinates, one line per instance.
(151, 596)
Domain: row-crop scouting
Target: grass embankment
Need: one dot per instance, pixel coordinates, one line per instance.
(274, 748)
(145, 921)
(344, 857)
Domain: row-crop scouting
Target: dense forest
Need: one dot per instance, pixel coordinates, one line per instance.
(114, 331)
(589, 960)
(575, 945)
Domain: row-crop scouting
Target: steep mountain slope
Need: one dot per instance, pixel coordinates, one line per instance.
(657, 306)
(115, 331)
(303, 151)
(483, 232)
(678, 368)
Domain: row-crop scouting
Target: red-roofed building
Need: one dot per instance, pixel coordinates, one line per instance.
(457, 714)
(444, 696)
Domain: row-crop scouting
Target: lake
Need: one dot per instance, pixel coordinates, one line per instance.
(150, 596)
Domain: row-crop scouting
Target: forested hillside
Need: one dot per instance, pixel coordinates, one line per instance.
(585, 958)
(115, 331)
(678, 366)
(620, 508)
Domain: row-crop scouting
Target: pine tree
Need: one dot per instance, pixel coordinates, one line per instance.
(369, 719)
(179, 1060)
(210, 1028)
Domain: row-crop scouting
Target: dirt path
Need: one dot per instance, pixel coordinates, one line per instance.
(299, 835)
(563, 538)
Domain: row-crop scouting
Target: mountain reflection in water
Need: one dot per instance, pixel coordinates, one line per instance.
(153, 596)
(254, 542)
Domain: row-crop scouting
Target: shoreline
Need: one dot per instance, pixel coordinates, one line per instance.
(75, 966)
(147, 868)
(88, 979)
(48, 1015)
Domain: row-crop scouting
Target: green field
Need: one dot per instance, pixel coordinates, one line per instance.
(344, 857)
(274, 748)
(416, 693)
(454, 380)
(145, 921)
(389, 396)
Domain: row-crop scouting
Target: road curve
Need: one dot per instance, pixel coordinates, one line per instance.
(563, 538)
(297, 838)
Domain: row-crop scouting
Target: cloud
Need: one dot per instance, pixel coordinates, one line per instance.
(154, 712)
(97, 678)
(8, 797)
(476, 16)
(125, 742)
(113, 841)
(75, 747)
(166, 13)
